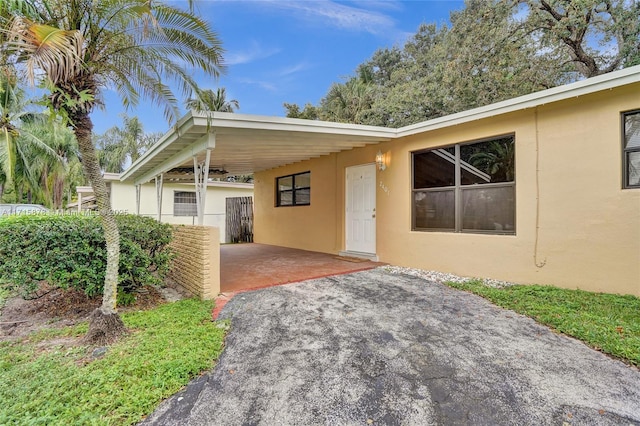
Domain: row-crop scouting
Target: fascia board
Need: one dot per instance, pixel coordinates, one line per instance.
(207, 141)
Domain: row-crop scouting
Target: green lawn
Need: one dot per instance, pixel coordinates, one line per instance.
(607, 322)
(45, 384)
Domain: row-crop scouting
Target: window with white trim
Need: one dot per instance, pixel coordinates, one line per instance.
(184, 203)
(293, 190)
(467, 187)
(631, 149)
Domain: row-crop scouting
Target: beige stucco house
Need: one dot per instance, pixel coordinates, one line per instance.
(178, 201)
(542, 189)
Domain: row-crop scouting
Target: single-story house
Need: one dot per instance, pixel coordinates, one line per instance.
(178, 201)
(543, 188)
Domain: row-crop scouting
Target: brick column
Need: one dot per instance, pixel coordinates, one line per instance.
(196, 266)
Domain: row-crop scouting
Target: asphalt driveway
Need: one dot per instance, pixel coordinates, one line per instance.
(376, 348)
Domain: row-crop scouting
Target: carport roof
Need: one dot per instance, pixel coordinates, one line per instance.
(242, 144)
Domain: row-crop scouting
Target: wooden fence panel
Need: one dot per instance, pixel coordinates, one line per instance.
(239, 221)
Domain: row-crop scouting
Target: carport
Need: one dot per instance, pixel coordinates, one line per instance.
(203, 146)
(252, 266)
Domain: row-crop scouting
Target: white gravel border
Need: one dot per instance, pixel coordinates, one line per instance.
(442, 277)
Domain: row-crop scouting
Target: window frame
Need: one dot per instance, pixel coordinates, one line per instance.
(194, 204)
(626, 151)
(294, 202)
(458, 188)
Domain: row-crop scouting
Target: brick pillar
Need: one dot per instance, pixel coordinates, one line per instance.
(196, 266)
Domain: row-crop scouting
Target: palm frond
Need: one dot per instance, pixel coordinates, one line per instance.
(55, 51)
(7, 153)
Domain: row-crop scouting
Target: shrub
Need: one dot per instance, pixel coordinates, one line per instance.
(68, 251)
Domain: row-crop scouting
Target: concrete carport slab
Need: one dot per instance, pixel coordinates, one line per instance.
(376, 348)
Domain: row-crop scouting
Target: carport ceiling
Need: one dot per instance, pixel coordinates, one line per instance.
(243, 144)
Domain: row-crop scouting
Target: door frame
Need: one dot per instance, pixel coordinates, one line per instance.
(351, 253)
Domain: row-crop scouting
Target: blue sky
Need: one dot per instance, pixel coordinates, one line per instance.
(281, 51)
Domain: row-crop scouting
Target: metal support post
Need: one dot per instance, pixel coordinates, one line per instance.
(159, 195)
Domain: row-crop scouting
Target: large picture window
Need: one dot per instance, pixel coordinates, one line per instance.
(293, 190)
(631, 149)
(466, 187)
(184, 203)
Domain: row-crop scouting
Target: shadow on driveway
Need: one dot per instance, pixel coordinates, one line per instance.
(376, 348)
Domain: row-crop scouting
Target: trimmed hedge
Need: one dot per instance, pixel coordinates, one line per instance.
(68, 251)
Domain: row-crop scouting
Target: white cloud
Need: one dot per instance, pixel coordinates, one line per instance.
(380, 4)
(260, 83)
(253, 53)
(293, 69)
(339, 15)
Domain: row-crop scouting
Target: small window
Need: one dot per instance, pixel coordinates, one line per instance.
(293, 190)
(466, 187)
(631, 149)
(184, 203)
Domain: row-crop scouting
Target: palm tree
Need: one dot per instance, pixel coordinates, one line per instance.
(78, 48)
(56, 175)
(350, 102)
(16, 141)
(208, 100)
(119, 146)
(497, 158)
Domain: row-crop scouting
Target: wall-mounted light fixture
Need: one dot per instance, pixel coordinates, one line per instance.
(380, 160)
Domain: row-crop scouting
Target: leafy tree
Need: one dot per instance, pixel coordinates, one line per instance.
(120, 146)
(594, 36)
(208, 100)
(412, 89)
(490, 57)
(309, 112)
(77, 48)
(349, 102)
(494, 50)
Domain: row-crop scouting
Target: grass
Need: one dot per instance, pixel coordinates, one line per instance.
(56, 385)
(607, 322)
(4, 295)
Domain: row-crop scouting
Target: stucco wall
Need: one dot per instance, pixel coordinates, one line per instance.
(575, 226)
(314, 227)
(123, 198)
(197, 263)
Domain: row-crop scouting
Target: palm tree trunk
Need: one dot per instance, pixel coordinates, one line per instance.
(105, 324)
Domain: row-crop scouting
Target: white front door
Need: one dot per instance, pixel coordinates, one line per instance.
(361, 209)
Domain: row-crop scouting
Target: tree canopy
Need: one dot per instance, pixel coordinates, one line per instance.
(208, 100)
(120, 146)
(493, 50)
